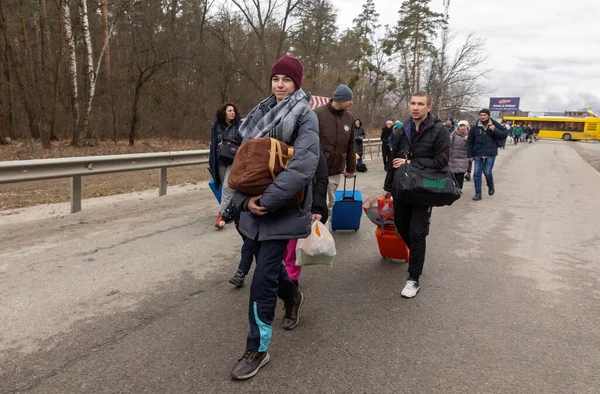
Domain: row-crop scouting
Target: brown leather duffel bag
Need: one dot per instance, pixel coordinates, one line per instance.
(257, 163)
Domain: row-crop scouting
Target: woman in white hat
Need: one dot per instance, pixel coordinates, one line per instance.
(459, 161)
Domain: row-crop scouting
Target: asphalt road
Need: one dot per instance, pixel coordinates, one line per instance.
(132, 297)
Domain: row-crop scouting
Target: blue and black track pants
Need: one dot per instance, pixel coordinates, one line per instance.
(269, 281)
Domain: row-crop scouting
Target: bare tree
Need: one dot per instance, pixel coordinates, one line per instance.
(454, 82)
(260, 15)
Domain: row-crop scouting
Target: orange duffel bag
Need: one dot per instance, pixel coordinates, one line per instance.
(256, 165)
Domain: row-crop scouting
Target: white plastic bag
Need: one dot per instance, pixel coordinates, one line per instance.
(317, 249)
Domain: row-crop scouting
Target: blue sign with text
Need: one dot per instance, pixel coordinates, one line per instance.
(504, 103)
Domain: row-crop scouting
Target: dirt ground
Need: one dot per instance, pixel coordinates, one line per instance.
(18, 195)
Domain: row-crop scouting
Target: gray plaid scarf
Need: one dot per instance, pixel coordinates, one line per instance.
(276, 120)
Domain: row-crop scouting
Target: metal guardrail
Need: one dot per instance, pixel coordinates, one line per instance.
(77, 167)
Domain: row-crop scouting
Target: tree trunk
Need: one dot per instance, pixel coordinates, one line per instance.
(45, 35)
(56, 99)
(38, 85)
(173, 32)
(27, 83)
(90, 77)
(105, 38)
(416, 65)
(134, 111)
(7, 74)
(2, 138)
(78, 139)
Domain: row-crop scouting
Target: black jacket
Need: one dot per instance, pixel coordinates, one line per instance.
(385, 134)
(218, 133)
(430, 147)
(321, 181)
(482, 141)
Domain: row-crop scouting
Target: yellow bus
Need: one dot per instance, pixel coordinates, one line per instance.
(568, 129)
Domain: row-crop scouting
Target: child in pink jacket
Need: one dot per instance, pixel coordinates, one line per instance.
(319, 212)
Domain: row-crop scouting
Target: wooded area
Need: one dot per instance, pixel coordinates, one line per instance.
(127, 69)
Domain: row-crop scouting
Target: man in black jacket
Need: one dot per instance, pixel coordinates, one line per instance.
(482, 148)
(422, 142)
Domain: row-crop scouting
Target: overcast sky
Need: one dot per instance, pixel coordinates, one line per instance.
(545, 51)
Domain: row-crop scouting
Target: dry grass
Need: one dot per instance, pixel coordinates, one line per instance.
(21, 150)
(18, 195)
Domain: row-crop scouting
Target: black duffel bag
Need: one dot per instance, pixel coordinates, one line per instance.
(425, 186)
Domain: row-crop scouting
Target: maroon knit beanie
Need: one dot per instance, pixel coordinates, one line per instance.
(290, 66)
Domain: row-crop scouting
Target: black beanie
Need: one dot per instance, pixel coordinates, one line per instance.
(485, 111)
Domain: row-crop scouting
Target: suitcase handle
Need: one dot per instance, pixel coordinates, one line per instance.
(353, 189)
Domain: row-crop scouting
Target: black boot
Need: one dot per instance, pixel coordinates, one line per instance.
(238, 279)
(291, 307)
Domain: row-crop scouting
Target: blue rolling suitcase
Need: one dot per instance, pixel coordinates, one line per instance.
(216, 191)
(347, 210)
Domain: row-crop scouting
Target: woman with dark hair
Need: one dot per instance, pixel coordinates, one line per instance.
(224, 141)
(272, 219)
(359, 135)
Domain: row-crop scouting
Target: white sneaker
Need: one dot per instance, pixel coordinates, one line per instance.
(410, 289)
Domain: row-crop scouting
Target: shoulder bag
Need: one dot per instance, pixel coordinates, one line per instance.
(425, 186)
(257, 164)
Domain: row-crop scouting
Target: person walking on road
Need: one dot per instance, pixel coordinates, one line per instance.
(386, 133)
(459, 162)
(483, 149)
(319, 212)
(359, 136)
(449, 125)
(422, 142)
(517, 132)
(270, 219)
(224, 132)
(336, 136)
(529, 136)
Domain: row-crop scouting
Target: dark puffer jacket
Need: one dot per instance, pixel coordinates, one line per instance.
(218, 134)
(482, 140)
(430, 147)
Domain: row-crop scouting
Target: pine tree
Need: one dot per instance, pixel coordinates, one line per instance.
(413, 38)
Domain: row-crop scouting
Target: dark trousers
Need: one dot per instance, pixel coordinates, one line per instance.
(385, 151)
(360, 150)
(249, 252)
(412, 222)
(460, 178)
(269, 281)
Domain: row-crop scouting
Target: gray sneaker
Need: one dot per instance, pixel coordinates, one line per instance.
(249, 365)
